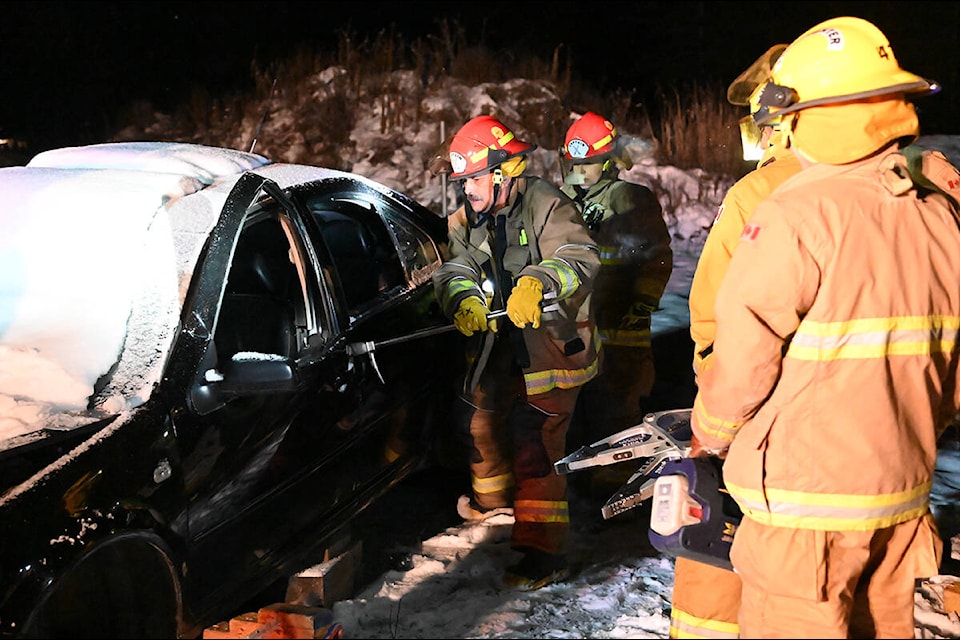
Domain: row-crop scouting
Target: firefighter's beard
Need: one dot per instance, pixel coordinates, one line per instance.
(472, 202)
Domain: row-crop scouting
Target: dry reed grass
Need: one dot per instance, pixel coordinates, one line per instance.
(690, 127)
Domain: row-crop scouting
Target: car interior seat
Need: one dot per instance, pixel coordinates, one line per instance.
(256, 314)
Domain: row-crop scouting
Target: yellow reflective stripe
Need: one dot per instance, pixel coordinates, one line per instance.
(504, 139)
(541, 511)
(712, 425)
(567, 275)
(492, 484)
(543, 381)
(610, 255)
(480, 154)
(684, 625)
(874, 338)
(390, 454)
(605, 140)
(831, 512)
(626, 338)
(460, 285)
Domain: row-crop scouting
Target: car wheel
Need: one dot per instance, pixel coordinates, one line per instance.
(123, 588)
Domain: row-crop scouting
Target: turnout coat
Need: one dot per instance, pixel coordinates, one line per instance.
(545, 237)
(835, 362)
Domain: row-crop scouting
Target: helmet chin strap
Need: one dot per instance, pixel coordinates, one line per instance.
(481, 217)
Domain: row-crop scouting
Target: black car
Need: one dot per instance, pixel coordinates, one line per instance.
(214, 376)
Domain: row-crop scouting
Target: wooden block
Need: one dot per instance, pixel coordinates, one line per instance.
(219, 630)
(328, 582)
(951, 598)
(286, 620)
(244, 625)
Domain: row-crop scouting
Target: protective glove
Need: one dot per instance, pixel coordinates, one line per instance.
(471, 316)
(523, 305)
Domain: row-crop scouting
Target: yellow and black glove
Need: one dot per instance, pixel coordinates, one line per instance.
(471, 316)
(523, 306)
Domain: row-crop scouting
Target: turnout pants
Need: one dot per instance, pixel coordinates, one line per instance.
(706, 601)
(515, 441)
(800, 583)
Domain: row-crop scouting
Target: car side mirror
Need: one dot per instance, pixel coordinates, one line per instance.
(253, 374)
(245, 374)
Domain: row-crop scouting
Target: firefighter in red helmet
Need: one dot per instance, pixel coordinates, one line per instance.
(626, 221)
(518, 244)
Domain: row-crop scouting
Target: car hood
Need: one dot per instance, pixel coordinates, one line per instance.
(97, 248)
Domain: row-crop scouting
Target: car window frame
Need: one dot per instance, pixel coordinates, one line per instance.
(395, 218)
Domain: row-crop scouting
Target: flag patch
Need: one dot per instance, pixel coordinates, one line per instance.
(750, 232)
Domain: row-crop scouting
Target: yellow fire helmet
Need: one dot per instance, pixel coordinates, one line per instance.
(839, 60)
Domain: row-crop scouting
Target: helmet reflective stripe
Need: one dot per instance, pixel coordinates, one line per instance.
(602, 142)
(501, 141)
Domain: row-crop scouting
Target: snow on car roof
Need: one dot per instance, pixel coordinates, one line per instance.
(199, 162)
(97, 247)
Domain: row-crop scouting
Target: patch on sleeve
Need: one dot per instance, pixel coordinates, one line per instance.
(750, 233)
(716, 218)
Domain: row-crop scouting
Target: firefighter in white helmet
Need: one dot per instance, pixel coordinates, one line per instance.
(705, 598)
(835, 363)
(626, 221)
(518, 244)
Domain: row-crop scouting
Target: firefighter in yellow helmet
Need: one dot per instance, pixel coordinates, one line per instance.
(626, 221)
(518, 244)
(706, 599)
(835, 363)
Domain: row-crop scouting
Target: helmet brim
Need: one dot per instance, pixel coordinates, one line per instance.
(910, 85)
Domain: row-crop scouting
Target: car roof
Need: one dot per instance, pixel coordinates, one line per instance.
(97, 247)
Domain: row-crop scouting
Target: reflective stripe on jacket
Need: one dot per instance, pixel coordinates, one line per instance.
(546, 239)
(738, 204)
(835, 362)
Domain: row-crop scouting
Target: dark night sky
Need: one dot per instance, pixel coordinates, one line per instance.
(66, 67)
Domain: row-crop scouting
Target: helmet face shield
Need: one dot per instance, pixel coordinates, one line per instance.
(757, 74)
(751, 139)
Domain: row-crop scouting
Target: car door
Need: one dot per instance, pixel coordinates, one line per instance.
(381, 261)
(278, 460)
